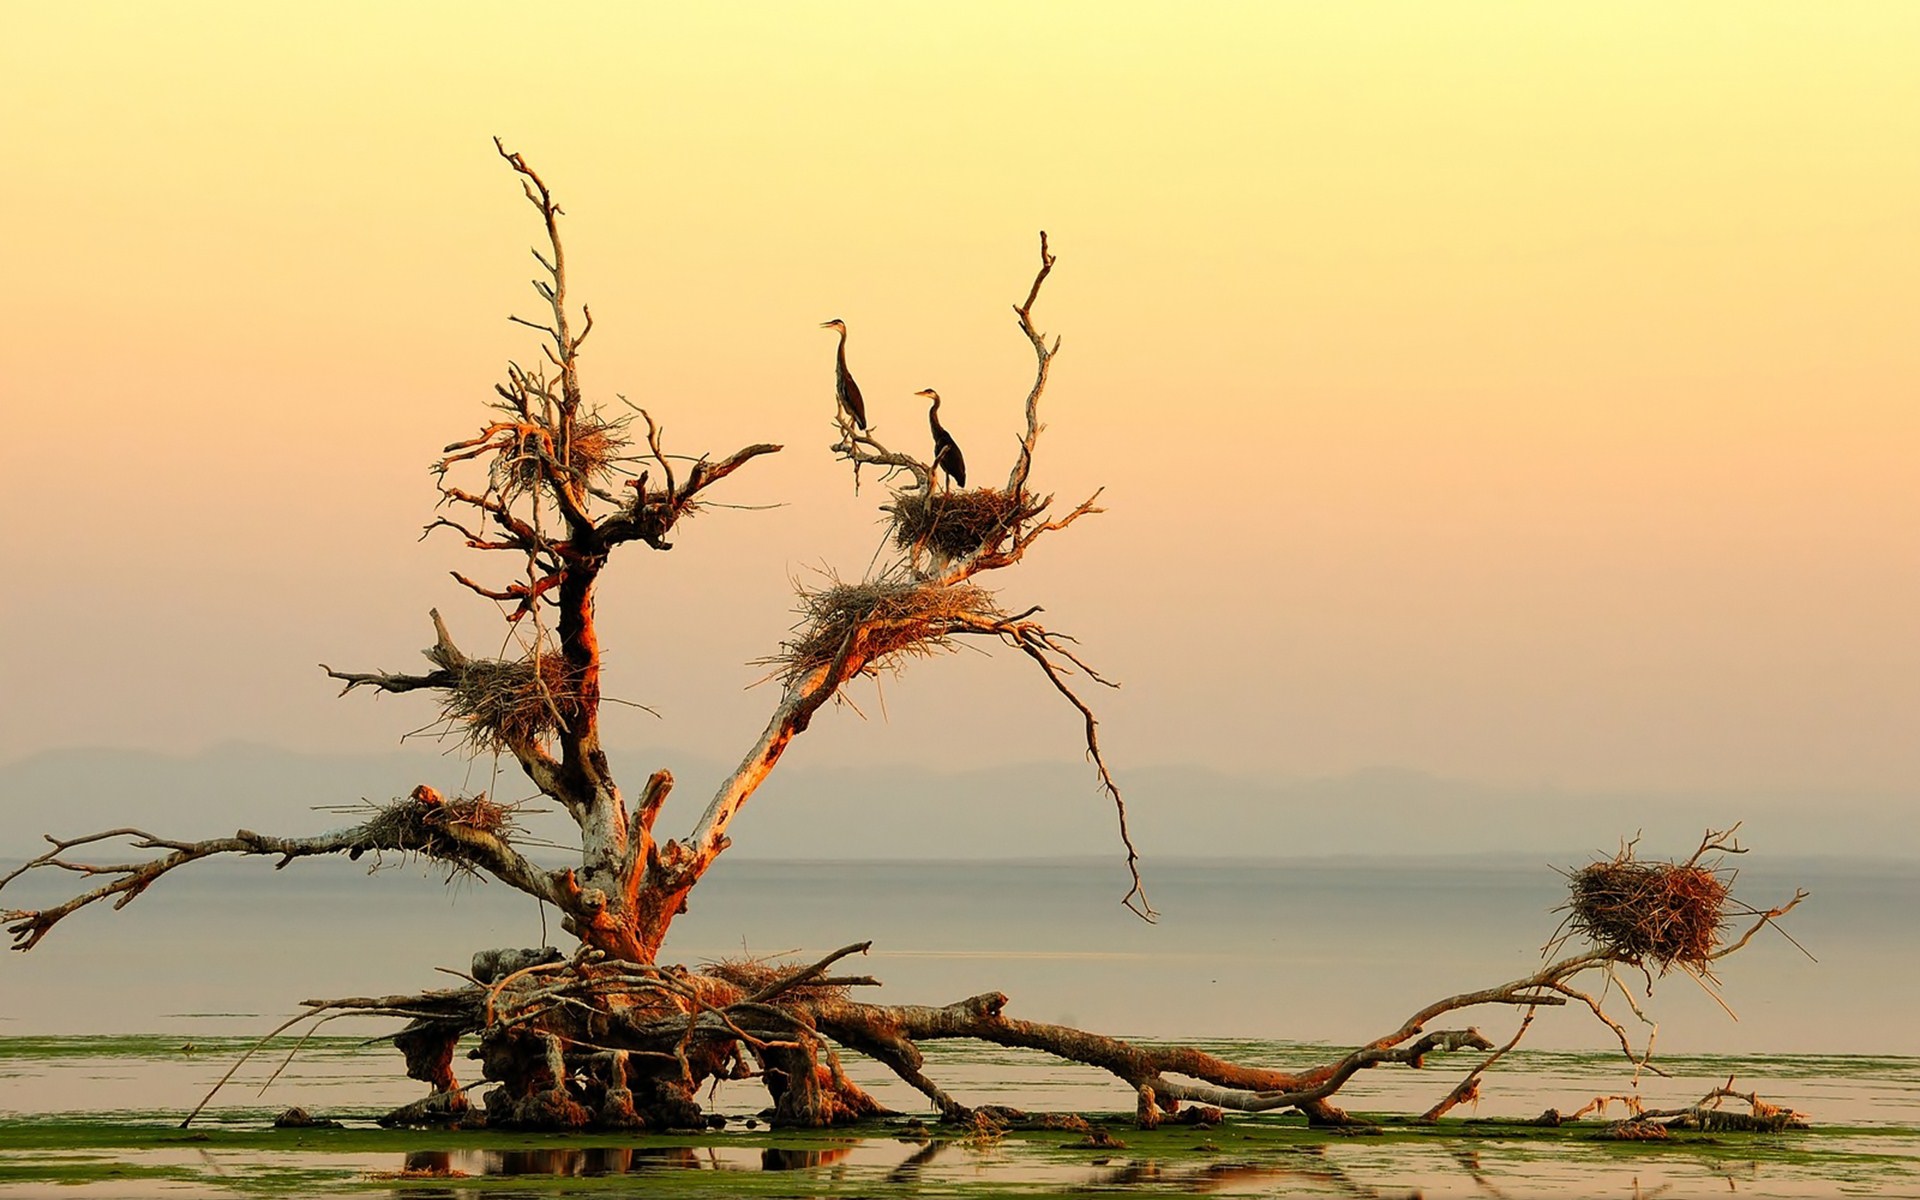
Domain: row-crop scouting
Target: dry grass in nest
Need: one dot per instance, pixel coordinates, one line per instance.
(955, 525)
(502, 704)
(589, 455)
(424, 823)
(595, 446)
(755, 974)
(872, 622)
(1662, 913)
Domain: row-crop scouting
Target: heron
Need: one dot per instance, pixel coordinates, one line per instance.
(844, 388)
(946, 451)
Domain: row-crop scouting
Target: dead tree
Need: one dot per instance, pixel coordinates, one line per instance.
(554, 485)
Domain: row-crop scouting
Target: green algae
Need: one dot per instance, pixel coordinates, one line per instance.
(892, 1159)
(234, 1152)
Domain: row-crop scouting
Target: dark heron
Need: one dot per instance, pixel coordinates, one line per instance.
(946, 451)
(844, 388)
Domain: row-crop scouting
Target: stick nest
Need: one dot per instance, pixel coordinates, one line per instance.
(957, 525)
(869, 623)
(426, 823)
(756, 974)
(526, 453)
(1659, 912)
(503, 704)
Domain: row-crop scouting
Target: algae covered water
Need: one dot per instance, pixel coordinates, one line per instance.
(122, 1021)
(141, 1152)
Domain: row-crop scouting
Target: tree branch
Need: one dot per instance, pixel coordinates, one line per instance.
(1043, 362)
(1040, 645)
(456, 844)
(654, 512)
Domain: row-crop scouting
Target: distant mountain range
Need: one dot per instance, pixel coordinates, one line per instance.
(1020, 811)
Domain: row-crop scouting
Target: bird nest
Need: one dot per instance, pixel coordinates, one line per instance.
(870, 623)
(753, 975)
(502, 704)
(525, 452)
(955, 525)
(1650, 912)
(426, 823)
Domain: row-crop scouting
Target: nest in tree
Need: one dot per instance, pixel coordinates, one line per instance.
(589, 454)
(955, 525)
(1658, 912)
(503, 703)
(427, 823)
(869, 623)
(594, 447)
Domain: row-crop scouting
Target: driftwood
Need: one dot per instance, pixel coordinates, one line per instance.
(597, 1042)
(610, 1037)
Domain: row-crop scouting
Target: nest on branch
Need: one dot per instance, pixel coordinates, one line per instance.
(752, 975)
(870, 623)
(429, 824)
(1650, 912)
(503, 704)
(589, 454)
(956, 525)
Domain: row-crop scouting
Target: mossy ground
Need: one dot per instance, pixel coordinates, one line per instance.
(1261, 1155)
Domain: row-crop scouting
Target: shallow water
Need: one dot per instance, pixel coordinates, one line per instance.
(1246, 954)
(1307, 951)
(1267, 1156)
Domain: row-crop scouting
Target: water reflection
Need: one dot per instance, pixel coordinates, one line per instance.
(1304, 1165)
(589, 1161)
(888, 1166)
(773, 1158)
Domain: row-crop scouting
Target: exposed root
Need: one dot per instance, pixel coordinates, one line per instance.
(1706, 1114)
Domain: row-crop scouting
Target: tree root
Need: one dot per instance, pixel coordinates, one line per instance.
(602, 1043)
(599, 1042)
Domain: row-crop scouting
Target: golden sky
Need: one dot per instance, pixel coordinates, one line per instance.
(1513, 391)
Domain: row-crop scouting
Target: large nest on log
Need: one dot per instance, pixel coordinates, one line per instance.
(753, 975)
(1658, 912)
(430, 824)
(589, 455)
(503, 704)
(955, 525)
(871, 623)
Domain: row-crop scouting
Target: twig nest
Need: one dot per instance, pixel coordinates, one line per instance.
(1650, 912)
(428, 823)
(957, 525)
(528, 453)
(870, 623)
(506, 703)
(753, 974)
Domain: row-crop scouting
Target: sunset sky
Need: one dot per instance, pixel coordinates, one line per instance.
(1523, 393)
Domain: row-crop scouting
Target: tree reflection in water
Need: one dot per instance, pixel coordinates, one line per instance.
(1307, 1169)
(615, 1160)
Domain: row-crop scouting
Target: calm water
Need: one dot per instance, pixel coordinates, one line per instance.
(1303, 952)
(1267, 962)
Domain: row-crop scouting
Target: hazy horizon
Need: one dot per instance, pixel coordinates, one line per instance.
(1517, 394)
(814, 809)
